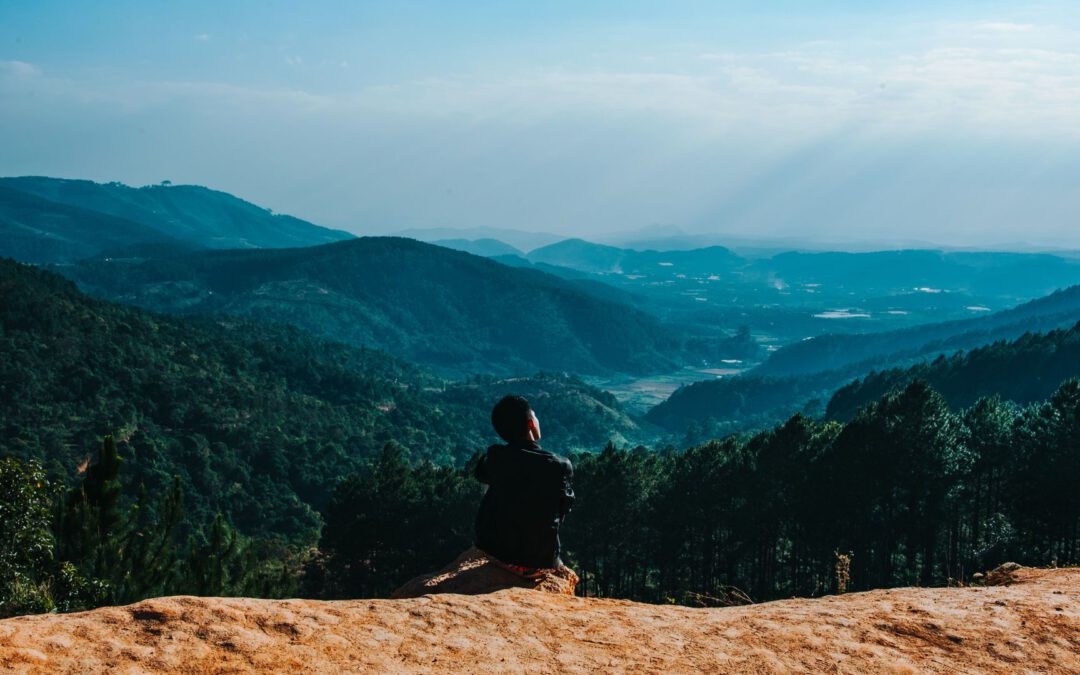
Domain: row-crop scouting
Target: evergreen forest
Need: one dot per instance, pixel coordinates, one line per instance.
(276, 422)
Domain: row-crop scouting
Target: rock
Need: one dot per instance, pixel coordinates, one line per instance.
(474, 573)
(1023, 627)
(1003, 575)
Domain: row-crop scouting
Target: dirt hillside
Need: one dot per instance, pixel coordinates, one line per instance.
(1032, 625)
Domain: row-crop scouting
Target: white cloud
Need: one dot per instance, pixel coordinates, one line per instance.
(1004, 27)
(1022, 86)
(19, 69)
(202, 37)
(796, 133)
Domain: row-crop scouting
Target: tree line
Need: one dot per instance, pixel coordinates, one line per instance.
(69, 549)
(909, 492)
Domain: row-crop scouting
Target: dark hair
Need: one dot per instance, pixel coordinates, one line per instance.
(510, 417)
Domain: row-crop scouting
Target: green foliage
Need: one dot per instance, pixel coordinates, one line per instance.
(34, 577)
(79, 549)
(391, 522)
(128, 551)
(916, 493)
(26, 543)
(1024, 370)
(908, 492)
(717, 407)
(226, 563)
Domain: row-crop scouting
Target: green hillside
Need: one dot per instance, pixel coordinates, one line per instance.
(424, 303)
(829, 352)
(259, 422)
(36, 230)
(805, 375)
(717, 407)
(1024, 370)
(191, 213)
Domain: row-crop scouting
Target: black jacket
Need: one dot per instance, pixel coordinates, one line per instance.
(529, 493)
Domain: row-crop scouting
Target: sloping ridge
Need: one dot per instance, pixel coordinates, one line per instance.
(1030, 625)
(869, 350)
(36, 230)
(418, 301)
(191, 213)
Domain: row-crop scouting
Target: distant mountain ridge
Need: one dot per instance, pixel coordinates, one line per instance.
(36, 230)
(422, 302)
(931, 270)
(587, 256)
(190, 213)
(489, 248)
(526, 241)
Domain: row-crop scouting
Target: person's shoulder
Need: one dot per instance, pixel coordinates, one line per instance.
(565, 462)
(554, 458)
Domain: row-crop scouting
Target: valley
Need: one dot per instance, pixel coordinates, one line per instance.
(556, 337)
(640, 324)
(287, 395)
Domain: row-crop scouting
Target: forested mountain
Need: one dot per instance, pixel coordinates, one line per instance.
(829, 352)
(600, 259)
(1024, 370)
(36, 230)
(721, 406)
(805, 375)
(489, 248)
(190, 213)
(422, 302)
(259, 422)
(520, 239)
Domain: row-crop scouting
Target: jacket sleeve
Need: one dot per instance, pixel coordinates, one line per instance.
(481, 472)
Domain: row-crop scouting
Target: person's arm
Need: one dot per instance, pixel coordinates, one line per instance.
(482, 471)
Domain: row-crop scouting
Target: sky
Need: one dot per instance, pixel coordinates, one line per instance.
(952, 123)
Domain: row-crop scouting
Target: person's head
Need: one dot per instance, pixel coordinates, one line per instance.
(514, 420)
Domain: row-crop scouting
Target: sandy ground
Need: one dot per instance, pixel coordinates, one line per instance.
(1031, 626)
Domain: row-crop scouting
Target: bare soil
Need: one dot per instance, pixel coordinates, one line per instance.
(1030, 623)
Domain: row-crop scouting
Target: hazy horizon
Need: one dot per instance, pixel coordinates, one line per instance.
(949, 123)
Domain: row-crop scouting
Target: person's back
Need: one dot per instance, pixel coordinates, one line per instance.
(529, 492)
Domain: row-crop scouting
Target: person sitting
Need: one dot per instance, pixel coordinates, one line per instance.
(530, 491)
